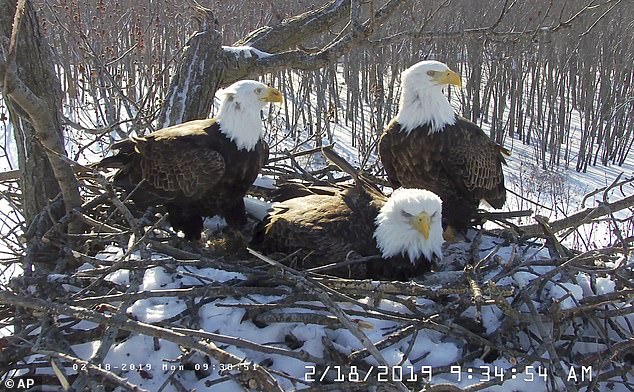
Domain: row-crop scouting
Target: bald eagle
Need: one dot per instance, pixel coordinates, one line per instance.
(428, 146)
(202, 167)
(404, 231)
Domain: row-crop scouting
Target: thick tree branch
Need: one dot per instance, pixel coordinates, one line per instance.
(198, 76)
(293, 31)
(579, 218)
(242, 67)
(17, 22)
(21, 84)
(46, 131)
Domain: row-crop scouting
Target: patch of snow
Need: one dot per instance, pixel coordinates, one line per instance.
(192, 276)
(568, 294)
(246, 52)
(138, 352)
(120, 276)
(153, 310)
(257, 208)
(523, 278)
(214, 223)
(87, 350)
(85, 267)
(267, 182)
(584, 281)
(605, 285)
(491, 318)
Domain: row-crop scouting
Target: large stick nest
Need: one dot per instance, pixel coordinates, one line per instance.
(515, 302)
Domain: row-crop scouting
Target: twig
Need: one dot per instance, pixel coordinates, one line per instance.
(296, 154)
(548, 342)
(322, 292)
(258, 375)
(560, 250)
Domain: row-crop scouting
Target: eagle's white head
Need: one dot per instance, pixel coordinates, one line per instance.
(239, 116)
(422, 98)
(410, 224)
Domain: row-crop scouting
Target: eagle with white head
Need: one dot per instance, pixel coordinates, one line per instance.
(404, 230)
(409, 224)
(199, 168)
(428, 146)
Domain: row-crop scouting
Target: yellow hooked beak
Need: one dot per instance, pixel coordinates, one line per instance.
(272, 95)
(448, 77)
(421, 223)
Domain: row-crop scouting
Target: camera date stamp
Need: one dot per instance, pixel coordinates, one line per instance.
(381, 373)
(24, 383)
(168, 367)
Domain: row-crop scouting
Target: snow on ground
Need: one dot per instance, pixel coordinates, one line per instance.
(148, 363)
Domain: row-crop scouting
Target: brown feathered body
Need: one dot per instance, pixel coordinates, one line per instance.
(193, 169)
(333, 225)
(459, 163)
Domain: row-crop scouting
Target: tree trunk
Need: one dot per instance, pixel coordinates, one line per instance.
(33, 96)
(199, 75)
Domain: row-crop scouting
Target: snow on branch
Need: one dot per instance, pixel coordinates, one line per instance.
(356, 34)
(245, 52)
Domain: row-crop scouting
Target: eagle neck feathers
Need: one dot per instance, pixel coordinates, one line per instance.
(243, 127)
(424, 107)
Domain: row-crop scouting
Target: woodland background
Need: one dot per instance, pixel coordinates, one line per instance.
(78, 75)
(531, 68)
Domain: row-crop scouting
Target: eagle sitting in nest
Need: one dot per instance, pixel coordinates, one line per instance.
(404, 230)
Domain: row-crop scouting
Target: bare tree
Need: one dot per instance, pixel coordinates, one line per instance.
(119, 60)
(134, 66)
(31, 88)
(124, 55)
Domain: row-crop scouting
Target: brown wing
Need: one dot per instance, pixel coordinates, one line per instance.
(324, 229)
(179, 164)
(387, 154)
(312, 223)
(475, 163)
(286, 190)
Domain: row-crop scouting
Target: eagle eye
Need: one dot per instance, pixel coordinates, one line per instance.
(406, 214)
(434, 214)
(431, 73)
(258, 90)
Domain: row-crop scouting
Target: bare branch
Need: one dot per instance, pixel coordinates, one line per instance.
(592, 26)
(299, 59)
(293, 31)
(579, 218)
